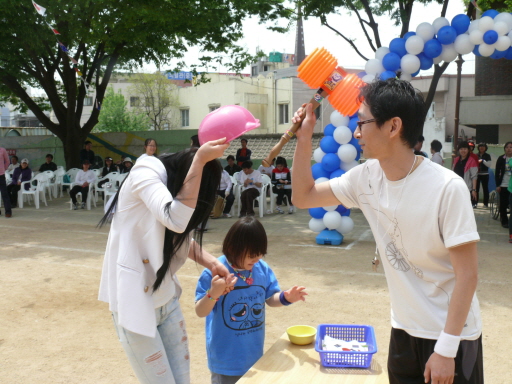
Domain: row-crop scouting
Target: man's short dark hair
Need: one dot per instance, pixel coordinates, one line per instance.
(436, 145)
(463, 144)
(247, 164)
(243, 139)
(50, 156)
(247, 237)
(396, 98)
(15, 157)
(87, 142)
(230, 157)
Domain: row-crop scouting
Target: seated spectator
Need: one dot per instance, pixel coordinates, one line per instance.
(149, 148)
(14, 163)
(109, 167)
(49, 165)
(282, 184)
(232, 168)
(251, 188)
(127, 165)
(435, 150)
(225, 191)
(244, 153)
(87, 153)
(20, 174)
(267, 170)
(119, 164)
(83, 179)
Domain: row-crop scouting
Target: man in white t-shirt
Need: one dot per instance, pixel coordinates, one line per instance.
(251, 188)
(428, 250)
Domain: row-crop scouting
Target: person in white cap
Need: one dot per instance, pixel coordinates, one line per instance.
(21, 174)
(127, 165)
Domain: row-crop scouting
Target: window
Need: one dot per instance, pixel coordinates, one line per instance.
(184, 117)
(283, 114)
(266, 68)
(254, 71)
(134, 101)
(87, 101)
(214, 107)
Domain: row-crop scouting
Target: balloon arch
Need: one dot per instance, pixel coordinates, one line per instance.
(339, 151)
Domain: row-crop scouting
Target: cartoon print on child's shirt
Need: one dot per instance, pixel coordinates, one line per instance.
(244, 307)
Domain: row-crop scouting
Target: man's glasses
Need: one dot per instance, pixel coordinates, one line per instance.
(361, 123)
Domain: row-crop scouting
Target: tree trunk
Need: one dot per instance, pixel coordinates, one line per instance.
(73, 142)
(438, 72)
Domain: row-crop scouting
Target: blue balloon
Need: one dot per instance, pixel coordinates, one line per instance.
(476, 51)
(387, 75)
(346, 213)
(329, 145)
(425, 62)
(361, 74)
(397, 46)
(415, 73)
(352, 124)
(358, 155)
(330, 162)
(461, 23)
(446, 35)
(409, 34)
(329, 130)
(491, 13)
(317, 213)
(355, 143)
(318, 171)
(391, 62)
(508, 54)
(498, 54)
(341, 209)
(336, 173)
(432, 48)
(490, 37)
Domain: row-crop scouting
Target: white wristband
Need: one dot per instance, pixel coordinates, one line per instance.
(447, 345)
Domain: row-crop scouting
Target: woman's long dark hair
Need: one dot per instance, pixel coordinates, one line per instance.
(177, 166)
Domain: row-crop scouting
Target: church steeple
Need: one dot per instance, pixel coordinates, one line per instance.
(300, 51)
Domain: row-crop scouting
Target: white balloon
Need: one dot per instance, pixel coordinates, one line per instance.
(405, 76)
(486, 23)
(332, 220)
(506, 17)
(510, 35)
(373, 67)
(346, 226)
(347, 153)
(321, 180)
(449, 53)
(337, 119)
(425, 31)
(318, 155)
(473, 26)
(381, 52)
(437, 59)
(463, 45)
(503, 43)
(439, 23)
(368, 78)
(316, 225)
(342, 135)
(501, 27)
(410, 63)
(486, 50)
(348, 166)
(476, 37)
(330, 208)
(414, 45)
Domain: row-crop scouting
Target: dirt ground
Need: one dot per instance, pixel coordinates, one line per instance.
(54, 330)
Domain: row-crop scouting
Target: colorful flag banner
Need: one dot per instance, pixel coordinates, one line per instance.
(39, 9)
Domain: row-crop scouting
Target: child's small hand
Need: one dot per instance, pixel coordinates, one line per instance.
(295, 294)
(217, 287)
(230, 283)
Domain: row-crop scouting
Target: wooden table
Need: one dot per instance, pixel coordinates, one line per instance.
(287, 363)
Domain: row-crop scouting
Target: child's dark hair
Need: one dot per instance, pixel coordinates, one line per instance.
(281, 161)
(246, 237)
(436, 145)
(247, 164)
(230, 157)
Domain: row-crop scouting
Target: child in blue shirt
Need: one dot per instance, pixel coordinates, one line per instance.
(235, 322)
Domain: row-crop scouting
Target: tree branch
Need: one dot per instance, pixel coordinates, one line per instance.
(351, 42)
(362, 22)
(373, 25)
(445, 6)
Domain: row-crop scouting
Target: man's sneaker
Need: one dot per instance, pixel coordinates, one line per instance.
(83, 205)
(279, 210)
(75, 207)
(291, 210)
(226, 215)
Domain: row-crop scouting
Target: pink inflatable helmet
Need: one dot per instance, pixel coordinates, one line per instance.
(229, 121)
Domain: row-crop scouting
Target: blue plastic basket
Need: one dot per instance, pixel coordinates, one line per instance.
(346, 359)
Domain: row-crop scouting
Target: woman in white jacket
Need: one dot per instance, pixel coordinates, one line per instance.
(157, 207)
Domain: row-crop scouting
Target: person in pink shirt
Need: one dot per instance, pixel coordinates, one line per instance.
(4, 163)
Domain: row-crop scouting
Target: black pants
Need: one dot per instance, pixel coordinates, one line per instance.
(408, 357)
(5, 195)
(484, 180)
(504, 196)
(76, 189)
(247, 197)
(229, 200)
(281, 193)
(13, 190)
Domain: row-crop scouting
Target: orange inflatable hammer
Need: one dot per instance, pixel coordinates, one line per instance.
(320, 70)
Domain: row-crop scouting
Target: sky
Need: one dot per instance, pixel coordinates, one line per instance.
(316, 36)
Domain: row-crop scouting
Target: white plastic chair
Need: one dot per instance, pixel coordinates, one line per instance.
(97, 172)
(262, 198)
(51, 187)
(109, 177)
(90, 196)
(72, 175)
(116, 182)
(59, 176)
(37, 191)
